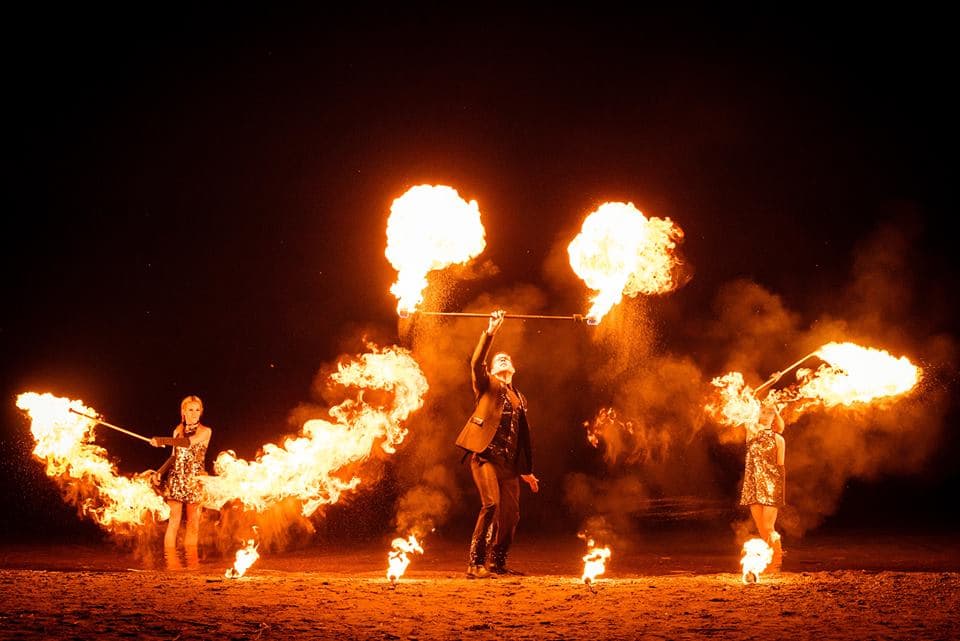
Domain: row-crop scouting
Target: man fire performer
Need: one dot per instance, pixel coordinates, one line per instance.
(763, 488)
(496, 438)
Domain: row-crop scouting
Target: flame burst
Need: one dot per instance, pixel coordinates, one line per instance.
(855, 374)
(594, 561)
(430, 227)
(756, 556)
(64, 442)
(735, 403)
(246, 557)
(397, 559)
(312, 466)
(620, 251)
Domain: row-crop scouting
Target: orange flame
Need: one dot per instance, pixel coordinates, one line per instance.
(430, 227)
(755, 558)
(307, 467)
(594, 561)
(397, 559)
(620, 251)
(736, 403)
(855, 374)
(246, 557)
(64, 442)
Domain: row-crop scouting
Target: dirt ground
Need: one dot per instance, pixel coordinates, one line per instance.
(895, 588)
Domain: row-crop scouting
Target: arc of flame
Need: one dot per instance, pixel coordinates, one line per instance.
(736, 404)
(594, 561)
(756, 556)
(397, 559)
(246, 557)
(856, 374)
(64, 442)
(310, 467)
(430, 227)
(619, 251)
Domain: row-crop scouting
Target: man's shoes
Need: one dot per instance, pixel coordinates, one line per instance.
(478, 572)
(502, 570)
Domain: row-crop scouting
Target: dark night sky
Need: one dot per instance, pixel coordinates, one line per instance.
(200, 198)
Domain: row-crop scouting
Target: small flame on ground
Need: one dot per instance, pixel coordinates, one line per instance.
(246, 556)
(430, 227)
(397, 559)
(619, 251)
(64, 442)
(756, 556)
(594, 561)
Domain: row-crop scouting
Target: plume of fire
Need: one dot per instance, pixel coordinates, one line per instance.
(246, 557)
(397, 559)
(310, 467)
(735, 403)
(594, 561)
(850, 374)
(430, 227)
(620, 251)
(854, 374)
(756, 556)
(64, 443)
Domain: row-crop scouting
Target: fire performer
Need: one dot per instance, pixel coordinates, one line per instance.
(496, 438)
(763, 475)
(181, 487)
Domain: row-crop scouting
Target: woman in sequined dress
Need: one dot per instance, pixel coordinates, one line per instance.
(763, 475)
(182, 488)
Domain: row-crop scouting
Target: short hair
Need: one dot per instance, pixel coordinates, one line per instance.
(190, 399)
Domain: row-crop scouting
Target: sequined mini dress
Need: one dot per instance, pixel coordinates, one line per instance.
(188, 463)
(763, 479)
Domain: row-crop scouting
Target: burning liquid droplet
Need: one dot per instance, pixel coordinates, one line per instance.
(246, 556)
(594, 561)
(757, 555)
(398, 560)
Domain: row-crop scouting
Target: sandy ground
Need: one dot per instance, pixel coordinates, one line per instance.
(906, 588)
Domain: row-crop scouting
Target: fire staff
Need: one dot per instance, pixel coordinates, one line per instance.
(496, 439)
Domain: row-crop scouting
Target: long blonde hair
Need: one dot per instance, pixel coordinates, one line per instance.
(183, 404)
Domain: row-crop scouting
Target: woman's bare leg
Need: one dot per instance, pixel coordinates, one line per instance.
(173, 525)
(193, 526)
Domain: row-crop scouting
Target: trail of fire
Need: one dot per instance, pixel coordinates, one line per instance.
(246, 557)
(64, 443)
(397, 559)
(309, 467)
(619, 251)
(755, 558)
(430, 227)
(594, 561)
(850, 374)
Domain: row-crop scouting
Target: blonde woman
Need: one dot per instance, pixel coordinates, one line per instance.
(764, 477)
(181, 487)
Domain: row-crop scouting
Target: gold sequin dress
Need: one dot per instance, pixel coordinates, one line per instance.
(763, 479)
(182, 483)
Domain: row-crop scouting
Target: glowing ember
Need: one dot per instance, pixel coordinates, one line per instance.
(246, 556)
(855, 374)
(620, 251)
(594, 561)
(398, 560)
(312, 467)
(64, 442)
(430, 227)
(757, 555)
(735, 404)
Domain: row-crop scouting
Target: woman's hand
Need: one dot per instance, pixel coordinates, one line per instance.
(532, 481)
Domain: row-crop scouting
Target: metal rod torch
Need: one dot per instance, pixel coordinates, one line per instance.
(111, 426)
(777, 378)
(578, 318)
